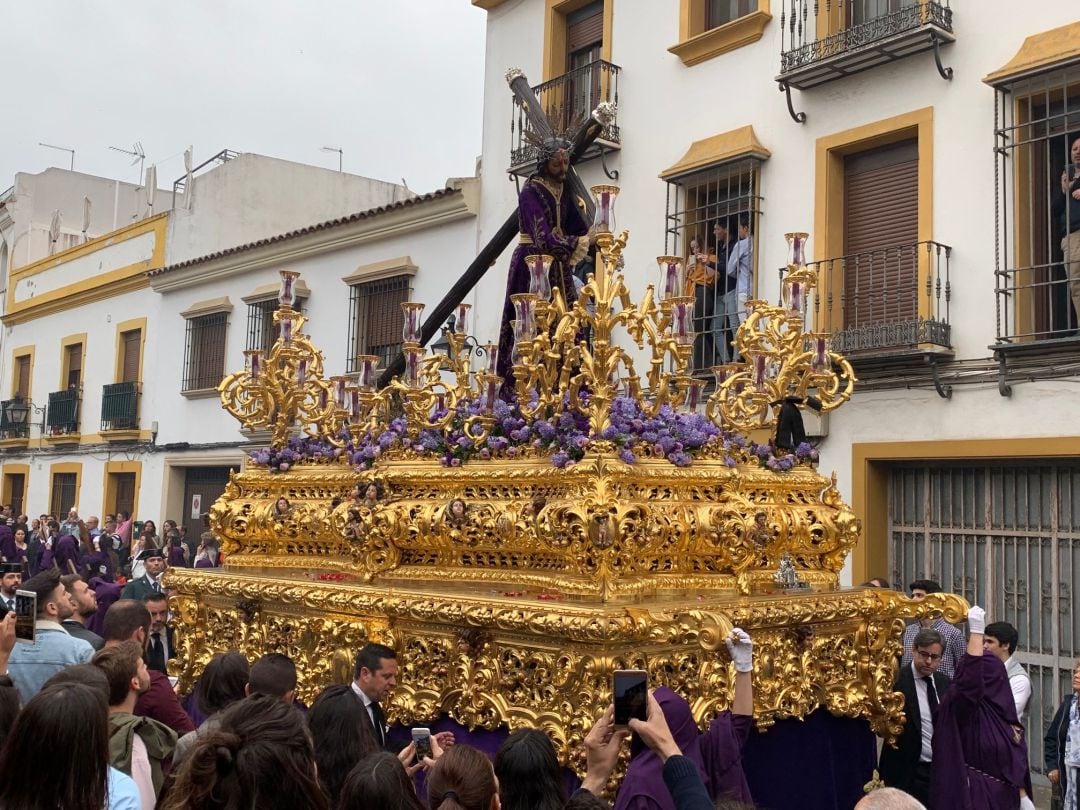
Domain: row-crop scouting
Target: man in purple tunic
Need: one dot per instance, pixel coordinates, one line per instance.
(549, 222)
(717, 753)
(980, 754)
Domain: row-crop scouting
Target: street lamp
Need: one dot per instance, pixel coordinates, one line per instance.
(469, 346)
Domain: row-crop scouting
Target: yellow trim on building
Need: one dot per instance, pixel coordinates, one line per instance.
(698, 45)
(94, 288)
(738, 143)
(555, 14)
(65, 467)
(71, 340)
(22, 351)
(108, 494)
(830, 151)
(5, 488)
(129, 326)
(1042, 51)
(870, 482)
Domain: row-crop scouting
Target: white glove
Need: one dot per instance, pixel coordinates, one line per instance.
(976, 619)
(1026, 803)
(742, 650)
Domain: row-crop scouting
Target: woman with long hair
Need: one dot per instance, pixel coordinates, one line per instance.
(462, 779)
(530, 776)
(221, 685)
(57, 753)
(378, 780)
(341, 735)
(259, 756)
(149, 535)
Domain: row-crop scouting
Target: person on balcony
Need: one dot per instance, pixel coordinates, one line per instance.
(1067, 210)
(701, 284)
(549, 222)
(740, 263)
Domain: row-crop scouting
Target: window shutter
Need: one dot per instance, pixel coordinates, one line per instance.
(881, 229)
(129, 345)
(23, 389)
(585, 28)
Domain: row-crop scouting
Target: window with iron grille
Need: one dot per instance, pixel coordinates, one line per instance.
(376, 319)
(721, 12)
(715, 210)
(261, 331)
(64, 489)
(204, 351)
(1037, 174)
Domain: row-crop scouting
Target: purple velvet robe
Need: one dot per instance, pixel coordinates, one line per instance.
(556, 228)
(7, 541)
(106, 593)
(100, 565)
(717, 754)
(980, 753)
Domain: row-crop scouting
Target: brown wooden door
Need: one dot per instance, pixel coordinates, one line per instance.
(881, 229)
(22, 377)
(209, 484)
(74, 365)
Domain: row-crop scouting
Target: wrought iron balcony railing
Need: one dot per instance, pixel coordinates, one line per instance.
(63, 414)
(822, 40)
(120, 406)
(568, 101)
(14, 419)
(889, 301)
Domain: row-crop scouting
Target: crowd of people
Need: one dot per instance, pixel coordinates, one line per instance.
(89, 709)
(111, 550)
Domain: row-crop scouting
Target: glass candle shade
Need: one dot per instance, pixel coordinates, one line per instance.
(525, 310)
(604, 218)
(254, 362)
(671, 275)
(491, 392)
(461, 318)
(793, 292)
(797, 248)
(301, 371)
(412, 366)
(410, 329)
(366, 367)
(682, 317)
(324, 398)
(693, 394)
(287, 291)
(285, 330)
(491, 351)
(758, 366)
(355, 405)
(539, 278)
(340, 386)
(819, 349)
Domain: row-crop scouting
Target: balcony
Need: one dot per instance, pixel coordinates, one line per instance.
(120, 410)
(889, 304)
(823, 41)
(62, 417)
(568, 101)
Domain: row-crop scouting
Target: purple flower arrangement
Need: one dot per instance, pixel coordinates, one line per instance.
(565, 438)
(766, 455)
(298, 450)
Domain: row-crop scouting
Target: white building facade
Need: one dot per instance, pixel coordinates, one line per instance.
(926, 166)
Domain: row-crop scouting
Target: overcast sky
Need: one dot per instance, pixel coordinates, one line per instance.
(397, 85)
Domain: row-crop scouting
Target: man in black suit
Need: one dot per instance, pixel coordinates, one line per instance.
(159, 648)
(907, 766)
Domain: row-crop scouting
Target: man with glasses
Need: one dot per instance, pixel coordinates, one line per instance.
(907, 766)
(952, 638)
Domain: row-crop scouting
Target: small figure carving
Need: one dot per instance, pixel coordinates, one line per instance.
(282, 507)
(367, 494)
(786, 576)
(455, 512)
(760, 533)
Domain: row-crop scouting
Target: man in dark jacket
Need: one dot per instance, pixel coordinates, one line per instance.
(1067, 210)
(907, 766)
(1056, 737)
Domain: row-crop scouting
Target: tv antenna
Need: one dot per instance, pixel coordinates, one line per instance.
(340, 154)
(136, 152)
(61, 149)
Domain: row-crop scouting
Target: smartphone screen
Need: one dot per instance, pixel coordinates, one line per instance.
(421, 737)
(25, 616)
(630, 688)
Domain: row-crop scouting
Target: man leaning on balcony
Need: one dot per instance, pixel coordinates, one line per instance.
(1067, 208)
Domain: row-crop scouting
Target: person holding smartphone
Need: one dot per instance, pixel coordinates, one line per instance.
(701, 283)
(675, 767)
